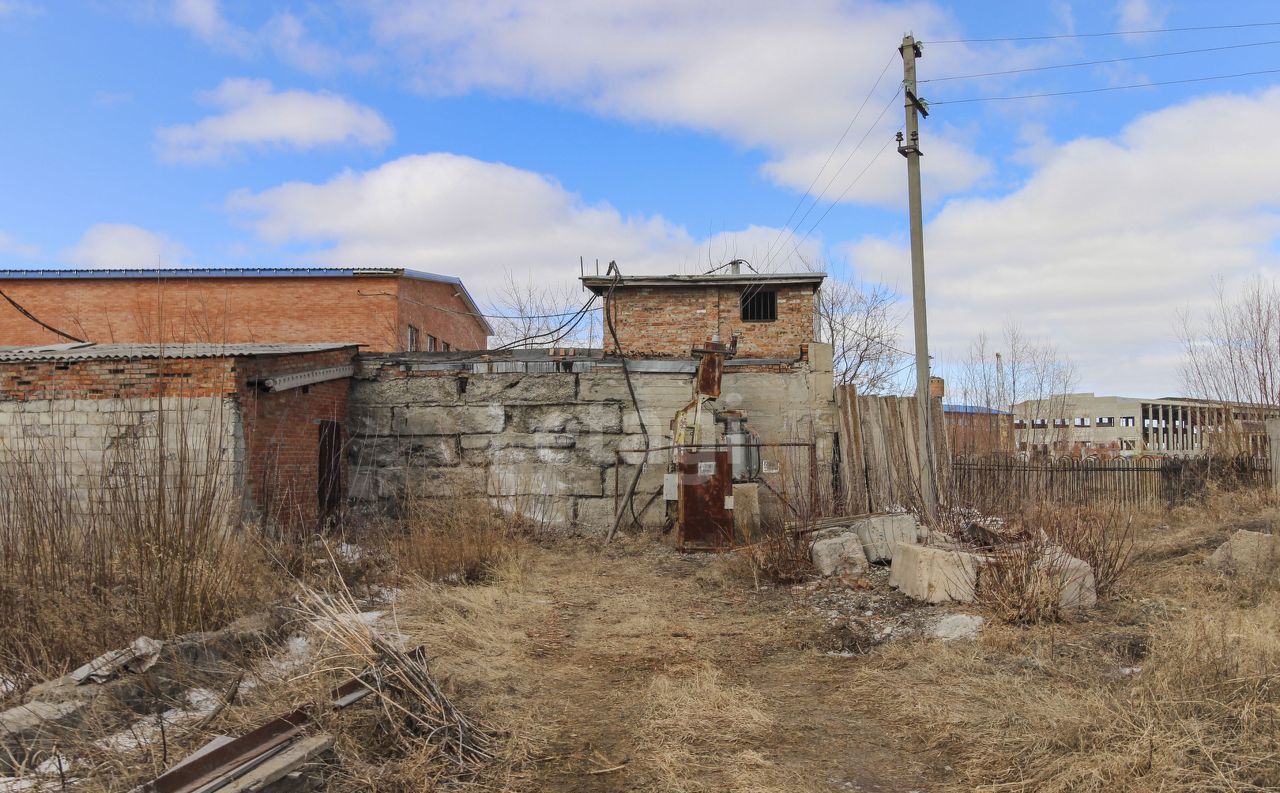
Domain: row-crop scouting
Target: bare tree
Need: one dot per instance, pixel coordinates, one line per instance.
(529, 315)
(861, 323)
(1026, 376)
(1233, 353)
(1231, 357)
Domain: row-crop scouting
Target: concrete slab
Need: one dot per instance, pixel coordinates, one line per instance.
(1076, 579)
(838, 554)
(1247, 553)
(880, 533)
(934, 575)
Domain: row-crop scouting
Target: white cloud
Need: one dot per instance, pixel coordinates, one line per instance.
(780, 77)
(452, 214)
(10, 246)
(255, 115)
(120, 245)
(284, 35)
(204, 19)
(1107, 239)
(1139, 15)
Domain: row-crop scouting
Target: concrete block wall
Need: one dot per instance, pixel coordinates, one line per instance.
(84, 448)
(547, 444)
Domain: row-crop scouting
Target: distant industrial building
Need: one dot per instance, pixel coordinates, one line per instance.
(1085, 424)
(384, 309)
(977, 429)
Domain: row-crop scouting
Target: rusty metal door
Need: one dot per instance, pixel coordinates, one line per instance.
(705, 517)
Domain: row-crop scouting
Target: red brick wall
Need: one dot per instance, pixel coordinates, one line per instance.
(282, 437)
(437, 309)
(106, 379)
(364, 310)
(281, 430)
(670, 321)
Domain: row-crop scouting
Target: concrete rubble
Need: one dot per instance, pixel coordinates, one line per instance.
(881, 533)
(1247, 553)
(837, 551)
(866, 539)
(1075, 581)
(958, 626)
(935, 575)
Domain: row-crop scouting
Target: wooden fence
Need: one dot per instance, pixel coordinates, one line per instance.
(1003, 482)
(879, 467)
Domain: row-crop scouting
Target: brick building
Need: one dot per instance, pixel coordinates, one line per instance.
(383, 309)
(773, 314)
(261, 425)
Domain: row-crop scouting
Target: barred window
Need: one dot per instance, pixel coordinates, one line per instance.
(759, 306)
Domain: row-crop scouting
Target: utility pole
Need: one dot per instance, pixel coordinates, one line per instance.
(910, 148)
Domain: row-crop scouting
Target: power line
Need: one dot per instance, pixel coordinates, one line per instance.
(832, 205)
(1109, 33)
(834, 149)
(1102, 61)
(791, 231)
(1103, 90)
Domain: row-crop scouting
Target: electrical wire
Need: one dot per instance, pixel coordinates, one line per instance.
(832, 153)
(635, 403)
(1098, 62)
(791, 232)
(39, 321)
(1154, 84)
(1108, 33)
(840, 198)
(575, 321)
(469, 313)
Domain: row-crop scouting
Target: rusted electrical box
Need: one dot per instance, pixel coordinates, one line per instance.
(705, 500)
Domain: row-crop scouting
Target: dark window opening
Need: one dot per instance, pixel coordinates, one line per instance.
(431, 343)
(411, 343)
(758, 306)
(444, 347)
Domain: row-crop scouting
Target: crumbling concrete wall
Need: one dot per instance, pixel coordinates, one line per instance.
(547, 443)
(83, 450)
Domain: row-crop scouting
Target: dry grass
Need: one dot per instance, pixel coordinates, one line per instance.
(458, 540)
(93, 555)
(1172, 686)
(697, 732)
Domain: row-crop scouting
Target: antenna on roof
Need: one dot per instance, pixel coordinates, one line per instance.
(582, 271)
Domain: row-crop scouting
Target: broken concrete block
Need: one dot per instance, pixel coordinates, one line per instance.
(838, 554)
(958, 626)
(880, 533)
(1247, 553)
(25, 725)
(934, 575)
(1075, 577)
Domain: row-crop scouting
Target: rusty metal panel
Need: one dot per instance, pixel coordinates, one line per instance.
(705, 518)
(709, 371)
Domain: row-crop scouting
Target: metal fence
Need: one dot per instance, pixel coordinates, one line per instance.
(1003, 481)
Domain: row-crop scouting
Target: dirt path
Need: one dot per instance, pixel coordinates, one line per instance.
(636, 668)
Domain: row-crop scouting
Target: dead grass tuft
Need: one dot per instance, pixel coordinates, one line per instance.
(692, 723)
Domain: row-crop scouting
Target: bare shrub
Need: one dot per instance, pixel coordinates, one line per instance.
(1104, 538)
(1022, 583)
(455, 539)
(144, 540)
(779, 556)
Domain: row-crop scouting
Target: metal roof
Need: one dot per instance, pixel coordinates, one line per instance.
(53, 274)
(76, 351)
(949, 407)
(601, 283)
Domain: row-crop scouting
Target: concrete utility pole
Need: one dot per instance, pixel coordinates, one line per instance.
(910, 148)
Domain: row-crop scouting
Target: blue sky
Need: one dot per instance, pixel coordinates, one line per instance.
(501, 136)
